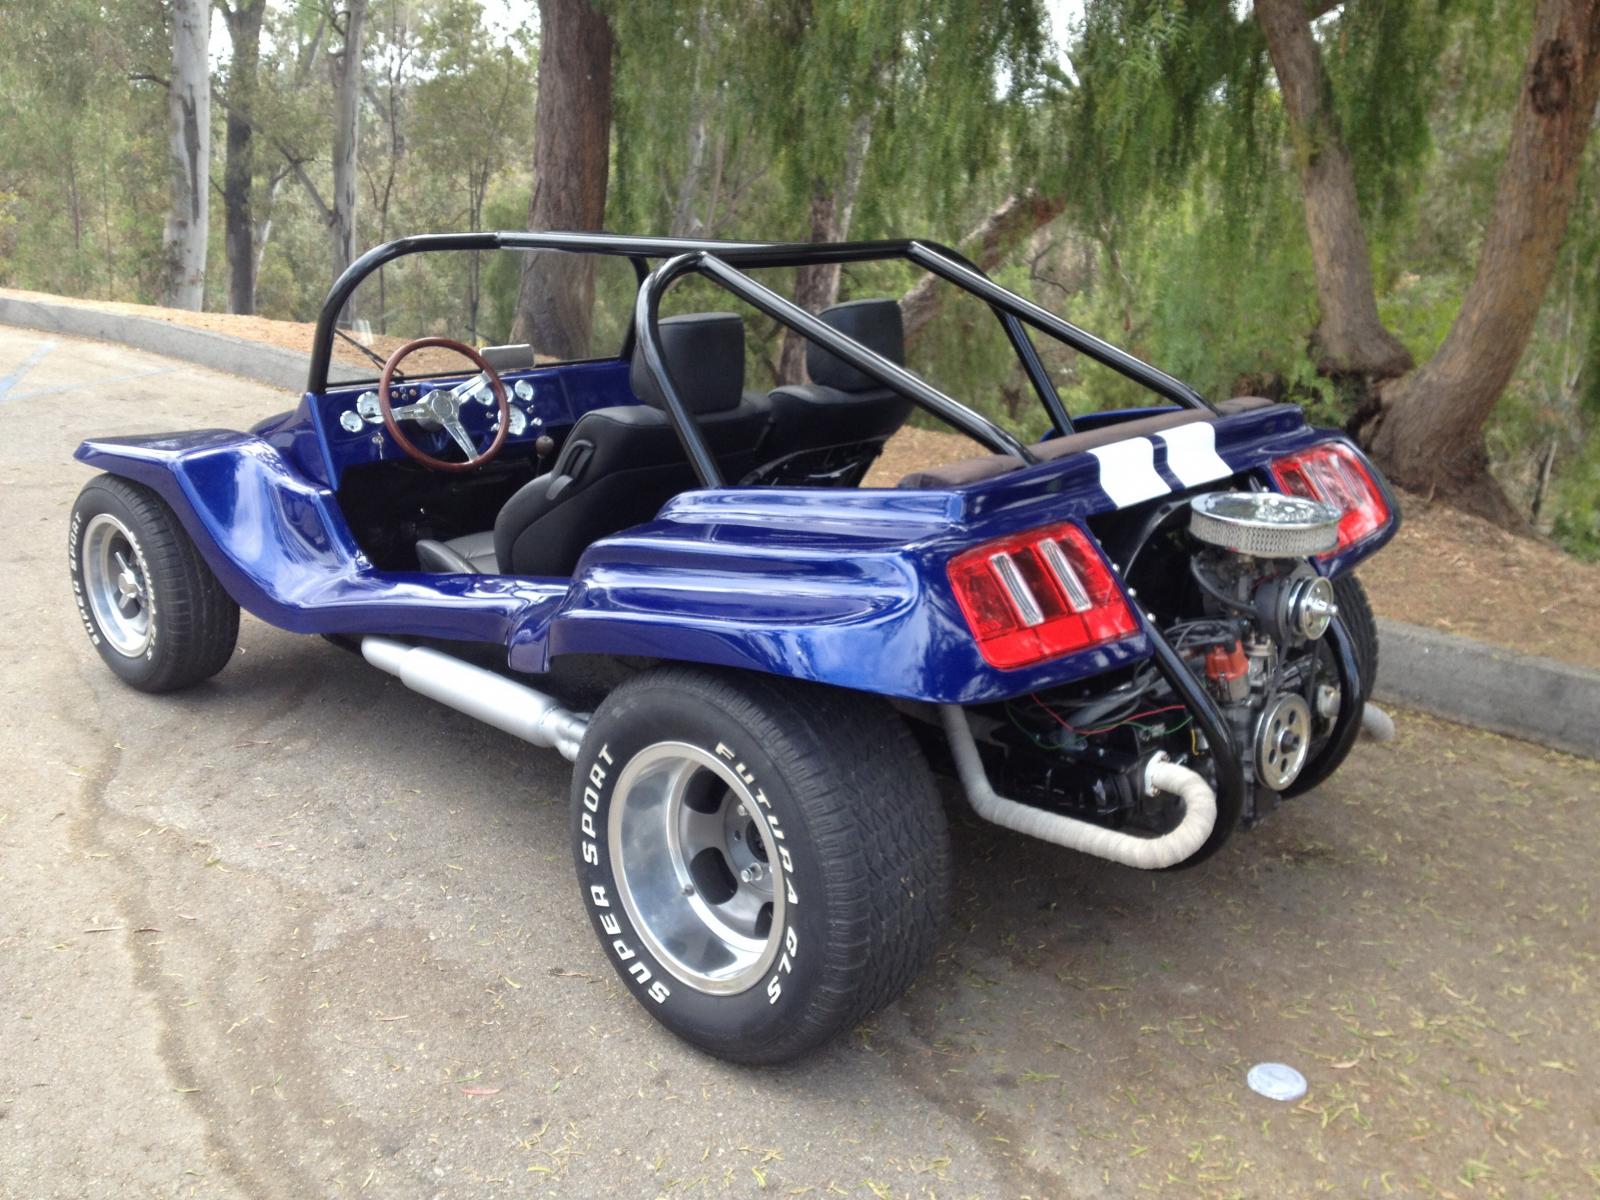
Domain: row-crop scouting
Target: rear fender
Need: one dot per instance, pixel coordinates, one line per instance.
(846, 588)
(849, 587)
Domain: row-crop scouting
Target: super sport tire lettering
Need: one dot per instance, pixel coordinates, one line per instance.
(857, 840)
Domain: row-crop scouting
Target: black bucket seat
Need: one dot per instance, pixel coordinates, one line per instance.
(831, 429)
(620, 465)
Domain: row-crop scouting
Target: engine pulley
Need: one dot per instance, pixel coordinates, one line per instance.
(1283, 740)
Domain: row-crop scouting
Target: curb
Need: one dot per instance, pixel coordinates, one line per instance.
(218, 351)
(1538, 699)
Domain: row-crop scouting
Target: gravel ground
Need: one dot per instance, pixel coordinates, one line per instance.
(301, 933)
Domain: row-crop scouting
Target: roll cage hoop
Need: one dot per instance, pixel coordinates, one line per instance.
(721, 262)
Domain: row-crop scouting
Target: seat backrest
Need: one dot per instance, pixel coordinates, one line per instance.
(620, 465)
(840, 408)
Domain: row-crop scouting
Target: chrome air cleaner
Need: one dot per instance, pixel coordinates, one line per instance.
(1264, 524)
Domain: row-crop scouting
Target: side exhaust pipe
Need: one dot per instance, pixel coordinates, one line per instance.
(491, 698)
(1147, 854)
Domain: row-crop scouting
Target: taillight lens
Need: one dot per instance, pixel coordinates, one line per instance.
(1336, 475)
(1038, 595)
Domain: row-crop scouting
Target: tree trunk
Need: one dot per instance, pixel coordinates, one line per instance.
(244, 31)
(189, 156)
(261, 234)
(684, 223)
(571, 156)
(987, 244)
(1350, 338)
(816, 287)
(346, 136)
(1426, 430)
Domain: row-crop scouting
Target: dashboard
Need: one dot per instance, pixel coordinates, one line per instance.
(541, 400)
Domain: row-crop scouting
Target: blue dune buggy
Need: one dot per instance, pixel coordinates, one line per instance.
(1129, 638)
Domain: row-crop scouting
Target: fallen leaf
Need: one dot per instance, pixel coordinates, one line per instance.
(480, 1091)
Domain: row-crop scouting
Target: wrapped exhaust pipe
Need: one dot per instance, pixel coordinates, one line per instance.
(486, 695)
(1147, 854)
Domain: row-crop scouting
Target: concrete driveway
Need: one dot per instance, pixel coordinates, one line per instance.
(300, 933)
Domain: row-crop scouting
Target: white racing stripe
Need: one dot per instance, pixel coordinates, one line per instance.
(1128, 471)
(1192, 453)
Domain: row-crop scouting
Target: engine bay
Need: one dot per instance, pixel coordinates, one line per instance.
(1225, 578)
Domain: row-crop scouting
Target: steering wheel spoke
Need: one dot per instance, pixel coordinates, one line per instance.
(441, 408)
(458, 434)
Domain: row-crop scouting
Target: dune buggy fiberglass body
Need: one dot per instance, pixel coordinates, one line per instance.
(1129, 638)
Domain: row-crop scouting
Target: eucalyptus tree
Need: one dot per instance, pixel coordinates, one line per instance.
(469, 80)
(188, 156)
(821, 112)
(243, 19)
(1350, 336)
(350, 24)
(571, 160)
(82, 209)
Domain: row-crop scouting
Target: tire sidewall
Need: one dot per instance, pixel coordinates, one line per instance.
(741, 1022)
(92, 502)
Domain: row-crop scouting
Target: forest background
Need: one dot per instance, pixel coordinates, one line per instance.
(1385, 210)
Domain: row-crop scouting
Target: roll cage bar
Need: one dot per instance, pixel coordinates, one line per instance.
(720, 262)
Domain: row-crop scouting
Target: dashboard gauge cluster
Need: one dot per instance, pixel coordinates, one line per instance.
(520, 404)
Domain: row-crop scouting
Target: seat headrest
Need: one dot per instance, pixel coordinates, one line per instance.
(873, 323)
(704, 354)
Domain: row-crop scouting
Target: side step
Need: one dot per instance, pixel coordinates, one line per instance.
(491, 698)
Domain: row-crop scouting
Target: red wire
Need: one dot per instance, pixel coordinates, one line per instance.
(1153, 712)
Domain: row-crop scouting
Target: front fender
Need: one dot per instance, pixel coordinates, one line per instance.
(280, 547)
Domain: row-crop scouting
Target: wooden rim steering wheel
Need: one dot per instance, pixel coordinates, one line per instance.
(441, 407)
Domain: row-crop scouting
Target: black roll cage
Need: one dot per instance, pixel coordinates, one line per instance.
(720, 262)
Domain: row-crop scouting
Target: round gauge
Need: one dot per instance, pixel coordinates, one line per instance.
(483, 391)
(350, 421)
(524, 390)
(519, 422)
(367, 406)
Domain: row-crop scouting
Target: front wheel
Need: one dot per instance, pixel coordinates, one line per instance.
(765, 862)
(149, 603)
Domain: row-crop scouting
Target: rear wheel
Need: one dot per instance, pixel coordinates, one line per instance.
(765, 862)
(149, 603)
(1355, 610)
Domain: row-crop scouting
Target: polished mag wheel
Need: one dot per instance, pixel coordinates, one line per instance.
(115, 585)
(692, 852)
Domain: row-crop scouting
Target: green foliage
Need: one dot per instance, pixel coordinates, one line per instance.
(1382, 57)
(1157, 123)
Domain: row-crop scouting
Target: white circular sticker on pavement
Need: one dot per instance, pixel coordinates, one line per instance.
(1276, 1081)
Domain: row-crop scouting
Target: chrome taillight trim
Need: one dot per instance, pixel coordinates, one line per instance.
(1066, 575)
(1022, 597)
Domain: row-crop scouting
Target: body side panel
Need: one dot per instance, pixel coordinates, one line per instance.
(846, 587)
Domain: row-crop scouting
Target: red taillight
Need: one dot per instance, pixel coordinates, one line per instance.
(1336, 475)
(1038, 595)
